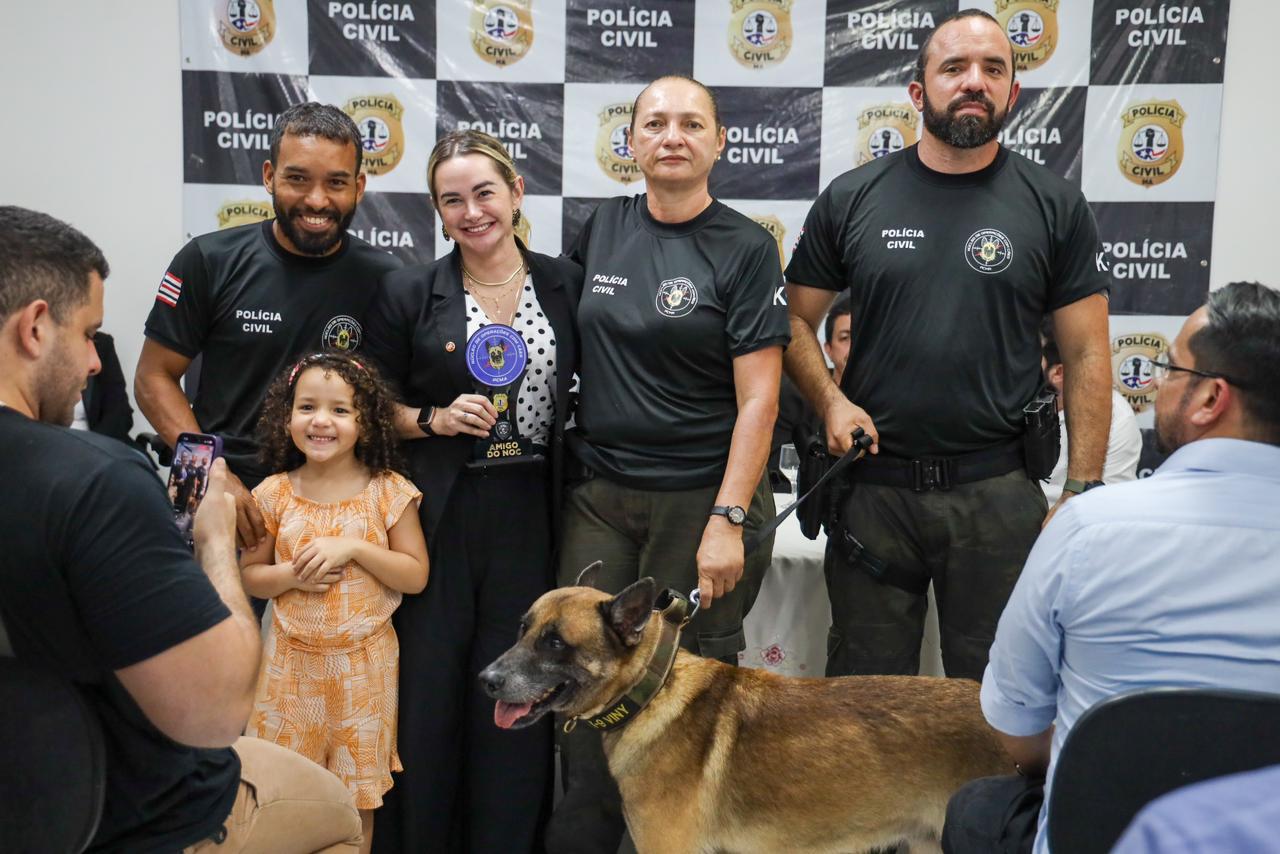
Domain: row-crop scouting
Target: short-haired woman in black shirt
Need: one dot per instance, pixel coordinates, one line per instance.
(682, 331)
(467, 785)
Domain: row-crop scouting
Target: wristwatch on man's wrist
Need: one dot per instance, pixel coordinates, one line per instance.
(735, 514)
(1078, 486)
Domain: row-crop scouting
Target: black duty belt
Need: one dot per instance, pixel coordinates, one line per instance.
(942, 473)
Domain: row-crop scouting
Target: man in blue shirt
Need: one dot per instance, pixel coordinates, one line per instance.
(1168, 581)
(1236, 814)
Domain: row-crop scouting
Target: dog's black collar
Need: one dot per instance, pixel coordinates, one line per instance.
(673, 607)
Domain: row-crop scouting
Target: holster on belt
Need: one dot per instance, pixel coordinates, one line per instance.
(857, 556)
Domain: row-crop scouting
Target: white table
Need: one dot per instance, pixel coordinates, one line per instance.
(787, 628)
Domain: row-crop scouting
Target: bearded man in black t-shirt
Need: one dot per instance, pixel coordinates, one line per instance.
(98, 588)
(951, 251)
(251, 300)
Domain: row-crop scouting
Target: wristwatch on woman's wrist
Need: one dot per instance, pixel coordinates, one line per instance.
(424, 420)
(736, 515)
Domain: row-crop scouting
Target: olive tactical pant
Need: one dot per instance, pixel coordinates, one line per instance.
(971, 541)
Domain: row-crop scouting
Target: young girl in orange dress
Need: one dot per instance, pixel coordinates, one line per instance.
(343, 543)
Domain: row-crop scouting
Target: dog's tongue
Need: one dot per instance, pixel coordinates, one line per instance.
(505, 714)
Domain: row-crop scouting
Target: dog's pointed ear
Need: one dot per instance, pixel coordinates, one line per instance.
(628, 612)
(588, 576)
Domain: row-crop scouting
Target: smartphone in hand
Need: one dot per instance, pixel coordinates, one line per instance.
(189, 477)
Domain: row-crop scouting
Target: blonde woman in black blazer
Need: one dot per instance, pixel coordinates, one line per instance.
(469, 786)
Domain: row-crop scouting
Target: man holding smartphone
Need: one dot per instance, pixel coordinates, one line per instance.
(250, 300)
(97, 587)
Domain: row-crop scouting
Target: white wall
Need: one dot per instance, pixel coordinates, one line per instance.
(90, 94)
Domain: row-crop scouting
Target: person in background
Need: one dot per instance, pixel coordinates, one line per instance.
(1124, 443)
(796, 420)
(838, 336)
(104, 404)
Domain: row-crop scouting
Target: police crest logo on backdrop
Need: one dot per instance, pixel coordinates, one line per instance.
(1133, 374)
(884, 129)
(501, 30)
(1032, 28)
(1151, 146)
(613, 152)
(243, 212)
(760, 31)
(247, 26)
(778, 231)
(378, 119)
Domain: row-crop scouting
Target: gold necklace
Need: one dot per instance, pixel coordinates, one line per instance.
(494, 301)
(505, 281)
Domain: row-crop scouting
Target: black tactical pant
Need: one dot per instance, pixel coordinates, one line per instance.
(971, 541)
(640, 533)
(993, 815)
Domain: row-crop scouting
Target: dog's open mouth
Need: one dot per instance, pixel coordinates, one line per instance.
(508, 715)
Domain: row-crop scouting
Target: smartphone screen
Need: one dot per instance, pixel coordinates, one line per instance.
(189, 477)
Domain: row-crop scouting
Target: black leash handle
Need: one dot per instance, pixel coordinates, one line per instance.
(862, 443)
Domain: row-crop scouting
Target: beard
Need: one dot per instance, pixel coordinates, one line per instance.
(968, 131)
(59, 383)
(307, 242)
(1169, 433)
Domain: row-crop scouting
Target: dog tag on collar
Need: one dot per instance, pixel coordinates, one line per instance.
(496, 355)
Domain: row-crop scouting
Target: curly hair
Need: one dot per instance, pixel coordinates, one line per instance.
(378, 446)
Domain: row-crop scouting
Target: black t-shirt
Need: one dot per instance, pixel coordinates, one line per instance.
(252, 308)
(950, 276)
(665, 309)
(94, 578)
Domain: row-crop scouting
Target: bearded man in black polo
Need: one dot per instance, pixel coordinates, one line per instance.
(250, 300)
(951, 250)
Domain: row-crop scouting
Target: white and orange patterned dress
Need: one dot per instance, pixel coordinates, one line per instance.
(331, 660)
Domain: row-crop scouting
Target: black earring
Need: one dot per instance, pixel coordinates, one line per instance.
(445, 232)
(515, 217)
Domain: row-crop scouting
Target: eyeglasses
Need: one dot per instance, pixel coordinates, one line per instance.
(1160, 368)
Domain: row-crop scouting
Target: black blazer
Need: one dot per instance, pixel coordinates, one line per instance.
(416, 332)
(106, 400)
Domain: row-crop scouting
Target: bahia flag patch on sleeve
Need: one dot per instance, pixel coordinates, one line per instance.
(170, 290)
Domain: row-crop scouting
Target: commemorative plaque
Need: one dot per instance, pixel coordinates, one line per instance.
(498, 358)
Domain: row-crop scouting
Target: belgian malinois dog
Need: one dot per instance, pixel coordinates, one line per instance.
(714, 758)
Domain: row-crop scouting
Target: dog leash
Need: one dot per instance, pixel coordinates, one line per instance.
(861, 444)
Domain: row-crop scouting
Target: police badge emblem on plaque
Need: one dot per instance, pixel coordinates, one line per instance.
(498, 358)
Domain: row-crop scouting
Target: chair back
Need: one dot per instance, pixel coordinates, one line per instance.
(53, 758)
(1129, 749)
